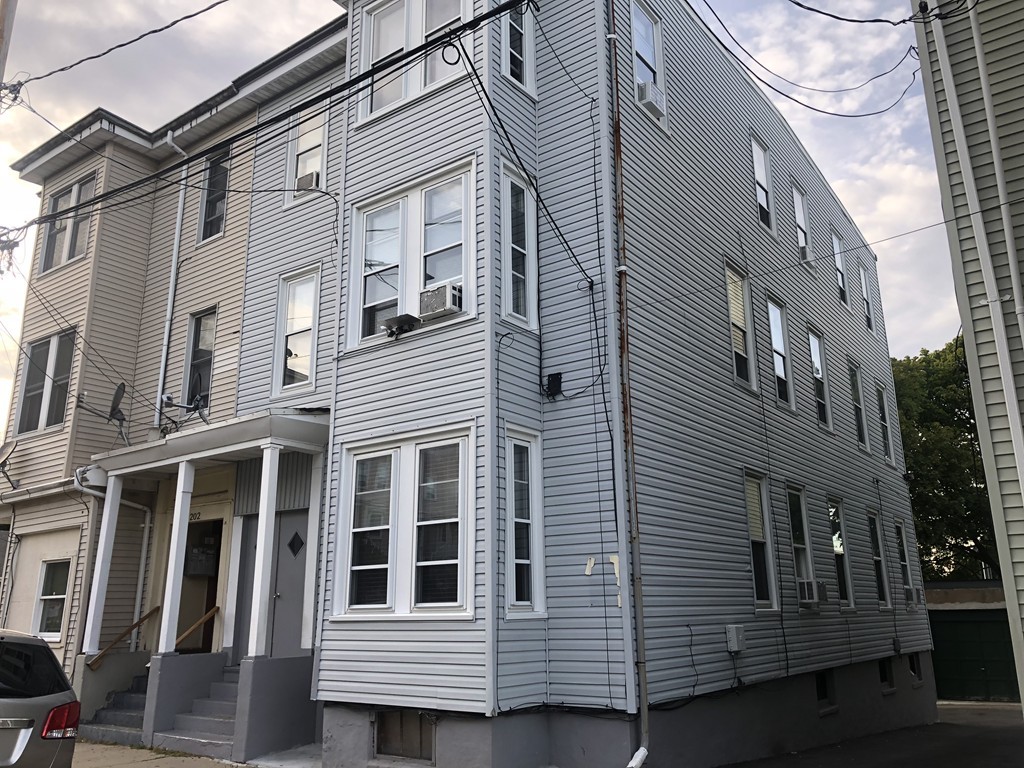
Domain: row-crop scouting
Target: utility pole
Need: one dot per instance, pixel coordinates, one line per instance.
(7, 8)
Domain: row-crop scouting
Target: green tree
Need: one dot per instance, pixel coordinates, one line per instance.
(943, 455)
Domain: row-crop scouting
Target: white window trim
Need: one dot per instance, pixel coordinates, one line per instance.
(750, 383)
(866, 303)
(809, 551)
(469, 266)
(187, 372)
(857, 378)
(842, 272)
(885, 424)
(279, 389)
(800, 213)
(401, 564)
(50, 375)
(412, 74)
(538, 606)
(660, 75)
(291, 195)
(786, 353)
(880, 559)
(772, 603)
(906, 574)
(529, 51)
(530, 320)
(37, 612)
(850, 601)
(827, 424)
(200, 240)
(65, 256)
(755, 145)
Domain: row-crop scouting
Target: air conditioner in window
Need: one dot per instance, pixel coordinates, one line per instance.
(652, 98)
(439, 301)
(805, 254)
(309, 180)
(909, 595)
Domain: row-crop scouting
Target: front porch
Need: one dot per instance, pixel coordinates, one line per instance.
(223, 666)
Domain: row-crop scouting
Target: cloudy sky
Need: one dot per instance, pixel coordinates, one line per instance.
(881, 167)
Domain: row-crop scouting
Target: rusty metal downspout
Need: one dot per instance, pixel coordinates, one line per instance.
(627, 405)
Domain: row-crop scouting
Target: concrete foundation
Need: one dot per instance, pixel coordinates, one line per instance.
(743, 724)
(175, 681)
(274, 708)
(116, 671)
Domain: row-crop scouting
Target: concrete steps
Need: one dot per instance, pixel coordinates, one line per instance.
(120, 722)
(209, 728)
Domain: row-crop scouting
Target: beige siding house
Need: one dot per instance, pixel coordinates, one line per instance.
(973, 65)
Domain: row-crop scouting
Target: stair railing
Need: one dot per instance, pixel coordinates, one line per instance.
(201, 621)
(95, 662)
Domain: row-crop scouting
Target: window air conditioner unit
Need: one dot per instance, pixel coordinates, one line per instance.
(805, 255)
(908, 595)
(309, 180)
(441, 300)
(652, 98)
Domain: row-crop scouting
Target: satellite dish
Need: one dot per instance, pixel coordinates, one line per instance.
(115, 404)
(6, 451)
(115, 414)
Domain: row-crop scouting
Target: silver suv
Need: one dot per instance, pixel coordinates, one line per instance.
(38, 709)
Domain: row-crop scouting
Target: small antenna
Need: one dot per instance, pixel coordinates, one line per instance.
(6, 450)
(198, 404)
(114, 415)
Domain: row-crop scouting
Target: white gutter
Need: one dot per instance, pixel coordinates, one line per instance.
(145, 544)
(172, 288)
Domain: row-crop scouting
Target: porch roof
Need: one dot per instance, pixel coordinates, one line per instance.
(303, 431)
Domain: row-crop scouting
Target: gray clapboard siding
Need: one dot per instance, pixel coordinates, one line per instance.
(122, 584)
(293, 480)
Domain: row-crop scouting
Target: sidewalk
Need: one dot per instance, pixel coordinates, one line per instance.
(89, 755)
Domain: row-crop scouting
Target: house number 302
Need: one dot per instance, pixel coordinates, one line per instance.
(193, 516)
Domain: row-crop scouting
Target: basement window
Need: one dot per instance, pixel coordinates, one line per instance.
(825, 684)
(885, 676)
(404, 733)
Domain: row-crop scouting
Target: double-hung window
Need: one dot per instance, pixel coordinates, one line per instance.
(835, 517)
(393, 27)
(901, 549)
(200, 360)
(883, 422)
(780, 355)
(53, 592)
(519, 251)
(408, 527)
(647, 63)
(857, 396)
(739, 321)
(525, 532)
(817, 345)
(800, 213)
(518, 59)
(865, 292)
(215, 197)
(307, 150)
(760, 551)
(761, 193)
(67, 237)
(837, 253)
(802, 561)
(296, 340)
(411, 243)
(47, 376)
(881, 579)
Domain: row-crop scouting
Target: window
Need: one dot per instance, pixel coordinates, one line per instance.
(519, 252)
(914, 664)
(53, 591)
(739, 319)
(865, 292)
(646, 47)
(835, 516)
(200, 360)
(883, 421)
(394, 27)
(764, 211)
(525, 534)
(837, 252)
(404, 733)
(818, 374)
(215, 196)
(413, 242)
(67, 238)
(881, 582)
(885, 675)
(519, 42)
(901, 549)
(856, 394)
(307, 147)
(407, 548)
(47, 376)
(297, 330)
(825, 686)
(801, 549)
(760, 552)
(780, 358)
(800, 213)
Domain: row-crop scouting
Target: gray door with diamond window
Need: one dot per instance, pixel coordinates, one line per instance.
(288, 583)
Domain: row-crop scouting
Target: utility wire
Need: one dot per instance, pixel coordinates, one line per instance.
(924, 14)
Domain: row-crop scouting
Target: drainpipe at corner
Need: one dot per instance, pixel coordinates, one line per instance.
(173, 286)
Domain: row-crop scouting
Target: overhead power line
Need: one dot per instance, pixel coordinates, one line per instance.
(924, 14)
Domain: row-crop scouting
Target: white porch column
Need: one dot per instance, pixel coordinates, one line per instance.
(261, 596)
(312, 550)
(104, 550)
(176, 558)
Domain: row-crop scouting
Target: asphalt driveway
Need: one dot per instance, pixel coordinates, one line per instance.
(968, 735)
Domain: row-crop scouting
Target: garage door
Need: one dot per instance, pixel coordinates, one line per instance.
(973, 657)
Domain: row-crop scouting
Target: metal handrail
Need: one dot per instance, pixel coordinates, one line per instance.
(95, 661)
(202, 620)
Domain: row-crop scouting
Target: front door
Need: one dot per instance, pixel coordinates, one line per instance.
(288, 583)
(199, 584)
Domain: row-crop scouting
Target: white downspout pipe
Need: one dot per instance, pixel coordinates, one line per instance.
(80, 487)
(172, 288)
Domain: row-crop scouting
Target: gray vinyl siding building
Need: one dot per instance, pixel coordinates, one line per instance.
(972, 66)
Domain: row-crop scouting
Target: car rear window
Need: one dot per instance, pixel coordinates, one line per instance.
(28, 670)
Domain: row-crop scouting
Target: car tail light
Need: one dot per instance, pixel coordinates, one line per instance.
(62, 722)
